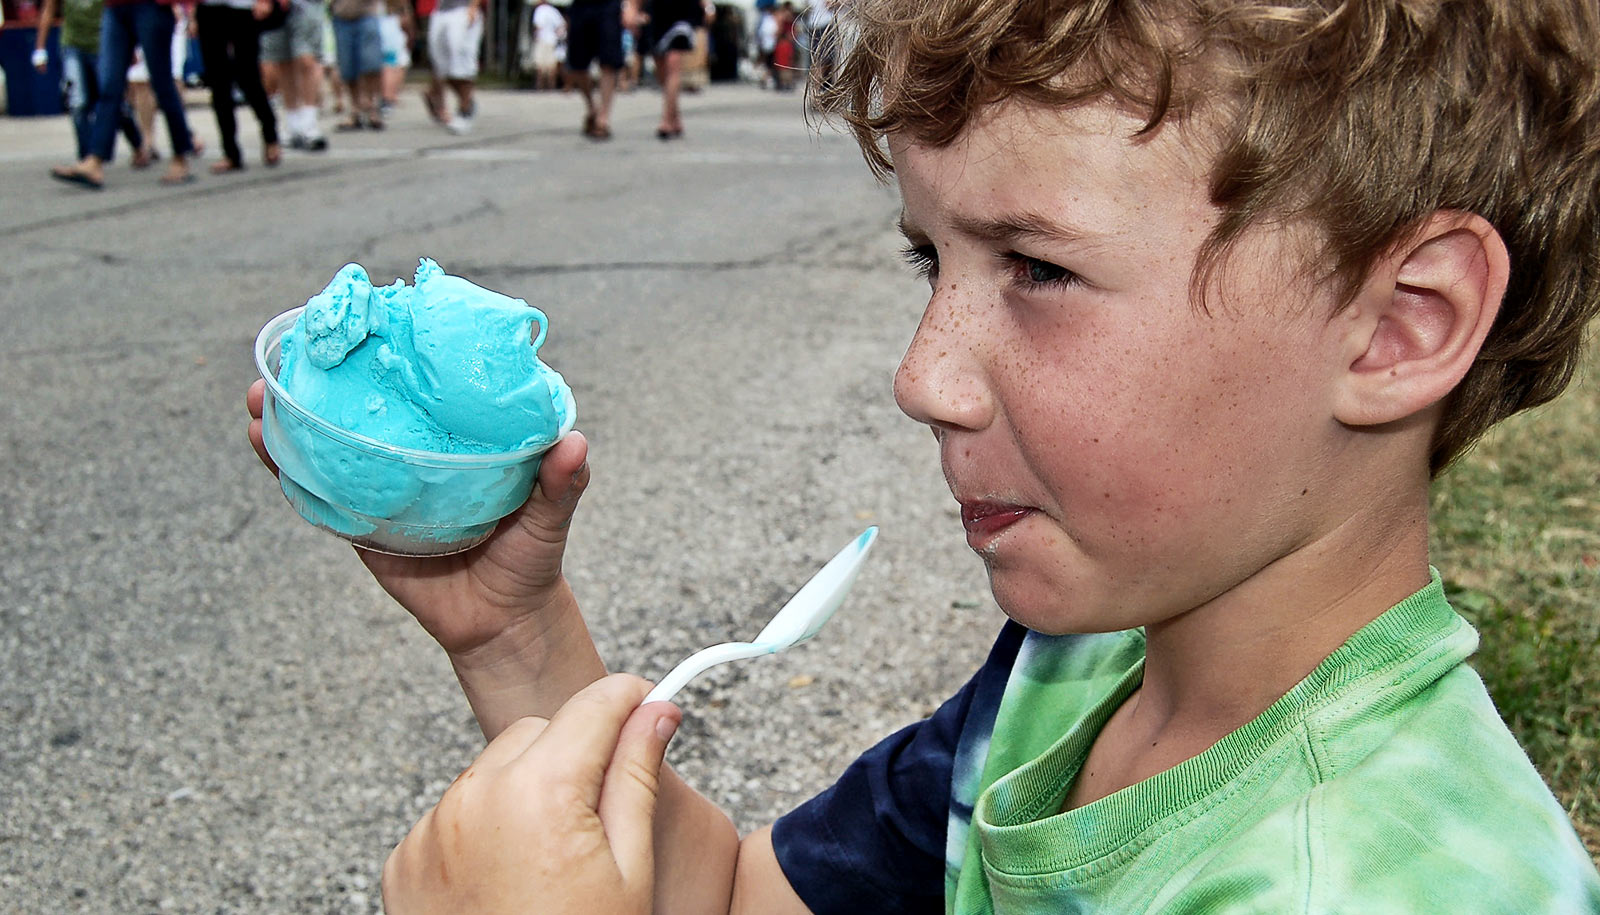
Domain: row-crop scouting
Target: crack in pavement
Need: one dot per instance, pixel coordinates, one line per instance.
(367, 247)
(270, 177)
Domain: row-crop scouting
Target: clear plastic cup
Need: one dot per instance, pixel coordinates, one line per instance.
(380, 496)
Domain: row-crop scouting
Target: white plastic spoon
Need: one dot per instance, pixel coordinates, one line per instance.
(800, 619)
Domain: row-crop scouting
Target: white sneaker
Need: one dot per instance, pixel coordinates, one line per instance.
(459, 125)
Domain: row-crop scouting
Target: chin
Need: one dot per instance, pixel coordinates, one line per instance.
(1049, 607)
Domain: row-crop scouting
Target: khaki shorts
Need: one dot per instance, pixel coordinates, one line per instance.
(300, 36)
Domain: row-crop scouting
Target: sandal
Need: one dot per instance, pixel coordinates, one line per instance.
(143, 158)
(71, 175)
(223, 166)
(271, 154)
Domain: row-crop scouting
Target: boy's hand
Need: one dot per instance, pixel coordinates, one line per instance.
(467, 599)
(554, 817)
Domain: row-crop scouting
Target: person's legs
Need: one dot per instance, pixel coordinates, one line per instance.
(117, 40)
(273, 48)
(288, 92)
(143, 104)
(438, 55)
(309, 35)
(369, 58)
(369, 94)
(609, 52)
(669, 71)
(271, 77)
(215, 37)
(585, 41)
(395, 59)
(308, 86)
(130, 128)
(247, 71)
(608, 93)
(76, 66)
(584, 83)
(344, 51)
(463, 89)
(465, 37)
(81, 72)
(154, 25)
(303, 72)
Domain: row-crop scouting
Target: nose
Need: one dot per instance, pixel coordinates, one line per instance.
(940, 381)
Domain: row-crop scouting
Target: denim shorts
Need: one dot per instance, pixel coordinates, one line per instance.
(358, 43)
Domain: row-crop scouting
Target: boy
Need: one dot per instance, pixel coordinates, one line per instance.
(1216, 288)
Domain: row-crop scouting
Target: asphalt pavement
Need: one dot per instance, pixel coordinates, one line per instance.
(208, 706)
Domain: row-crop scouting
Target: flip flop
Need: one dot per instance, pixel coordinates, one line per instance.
(271, 154)
(588, 125)
(185, 178)
(223, 166)
(73, 176)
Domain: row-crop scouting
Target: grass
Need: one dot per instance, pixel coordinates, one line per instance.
(1517, 536)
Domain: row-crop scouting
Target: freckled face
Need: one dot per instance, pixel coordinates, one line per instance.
(1121, 454)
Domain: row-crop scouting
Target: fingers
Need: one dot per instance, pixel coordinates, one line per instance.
(254, 434)
(253, 402)
(255, 397)
(509, 744)
(580, 740)
(628, 796)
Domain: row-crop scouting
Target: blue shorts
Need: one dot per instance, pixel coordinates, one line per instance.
(358, 44)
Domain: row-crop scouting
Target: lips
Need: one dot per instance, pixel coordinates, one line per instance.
(983, 520)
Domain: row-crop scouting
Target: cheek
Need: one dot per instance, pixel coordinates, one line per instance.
(1137, 444)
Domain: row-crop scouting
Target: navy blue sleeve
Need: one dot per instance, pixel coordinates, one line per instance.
(874, 841)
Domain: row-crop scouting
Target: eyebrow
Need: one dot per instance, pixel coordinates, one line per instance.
(1006, 229)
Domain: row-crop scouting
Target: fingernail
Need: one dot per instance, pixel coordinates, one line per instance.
(572, 481)
(666, 726)
(564, 492)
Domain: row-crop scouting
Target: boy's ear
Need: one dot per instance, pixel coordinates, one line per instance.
(1420, 319)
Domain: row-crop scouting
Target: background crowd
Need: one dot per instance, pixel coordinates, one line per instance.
(299, 65)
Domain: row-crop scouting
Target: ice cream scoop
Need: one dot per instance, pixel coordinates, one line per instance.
(409, 418)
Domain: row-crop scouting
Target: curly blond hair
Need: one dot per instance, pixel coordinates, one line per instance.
(1362, 116)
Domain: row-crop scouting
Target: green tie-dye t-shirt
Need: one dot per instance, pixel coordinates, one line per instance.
(1383, 782)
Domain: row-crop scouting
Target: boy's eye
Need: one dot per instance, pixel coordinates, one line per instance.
(1035, 272)
(922, 258)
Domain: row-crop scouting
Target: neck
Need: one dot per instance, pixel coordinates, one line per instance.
(1212, 669)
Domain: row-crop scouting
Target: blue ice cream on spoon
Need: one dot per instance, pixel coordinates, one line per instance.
(442, 367)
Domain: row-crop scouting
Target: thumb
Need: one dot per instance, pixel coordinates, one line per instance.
(628, 795)
(563, 476)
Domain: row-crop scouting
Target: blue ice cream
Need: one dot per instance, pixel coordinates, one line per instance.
(442, 366)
